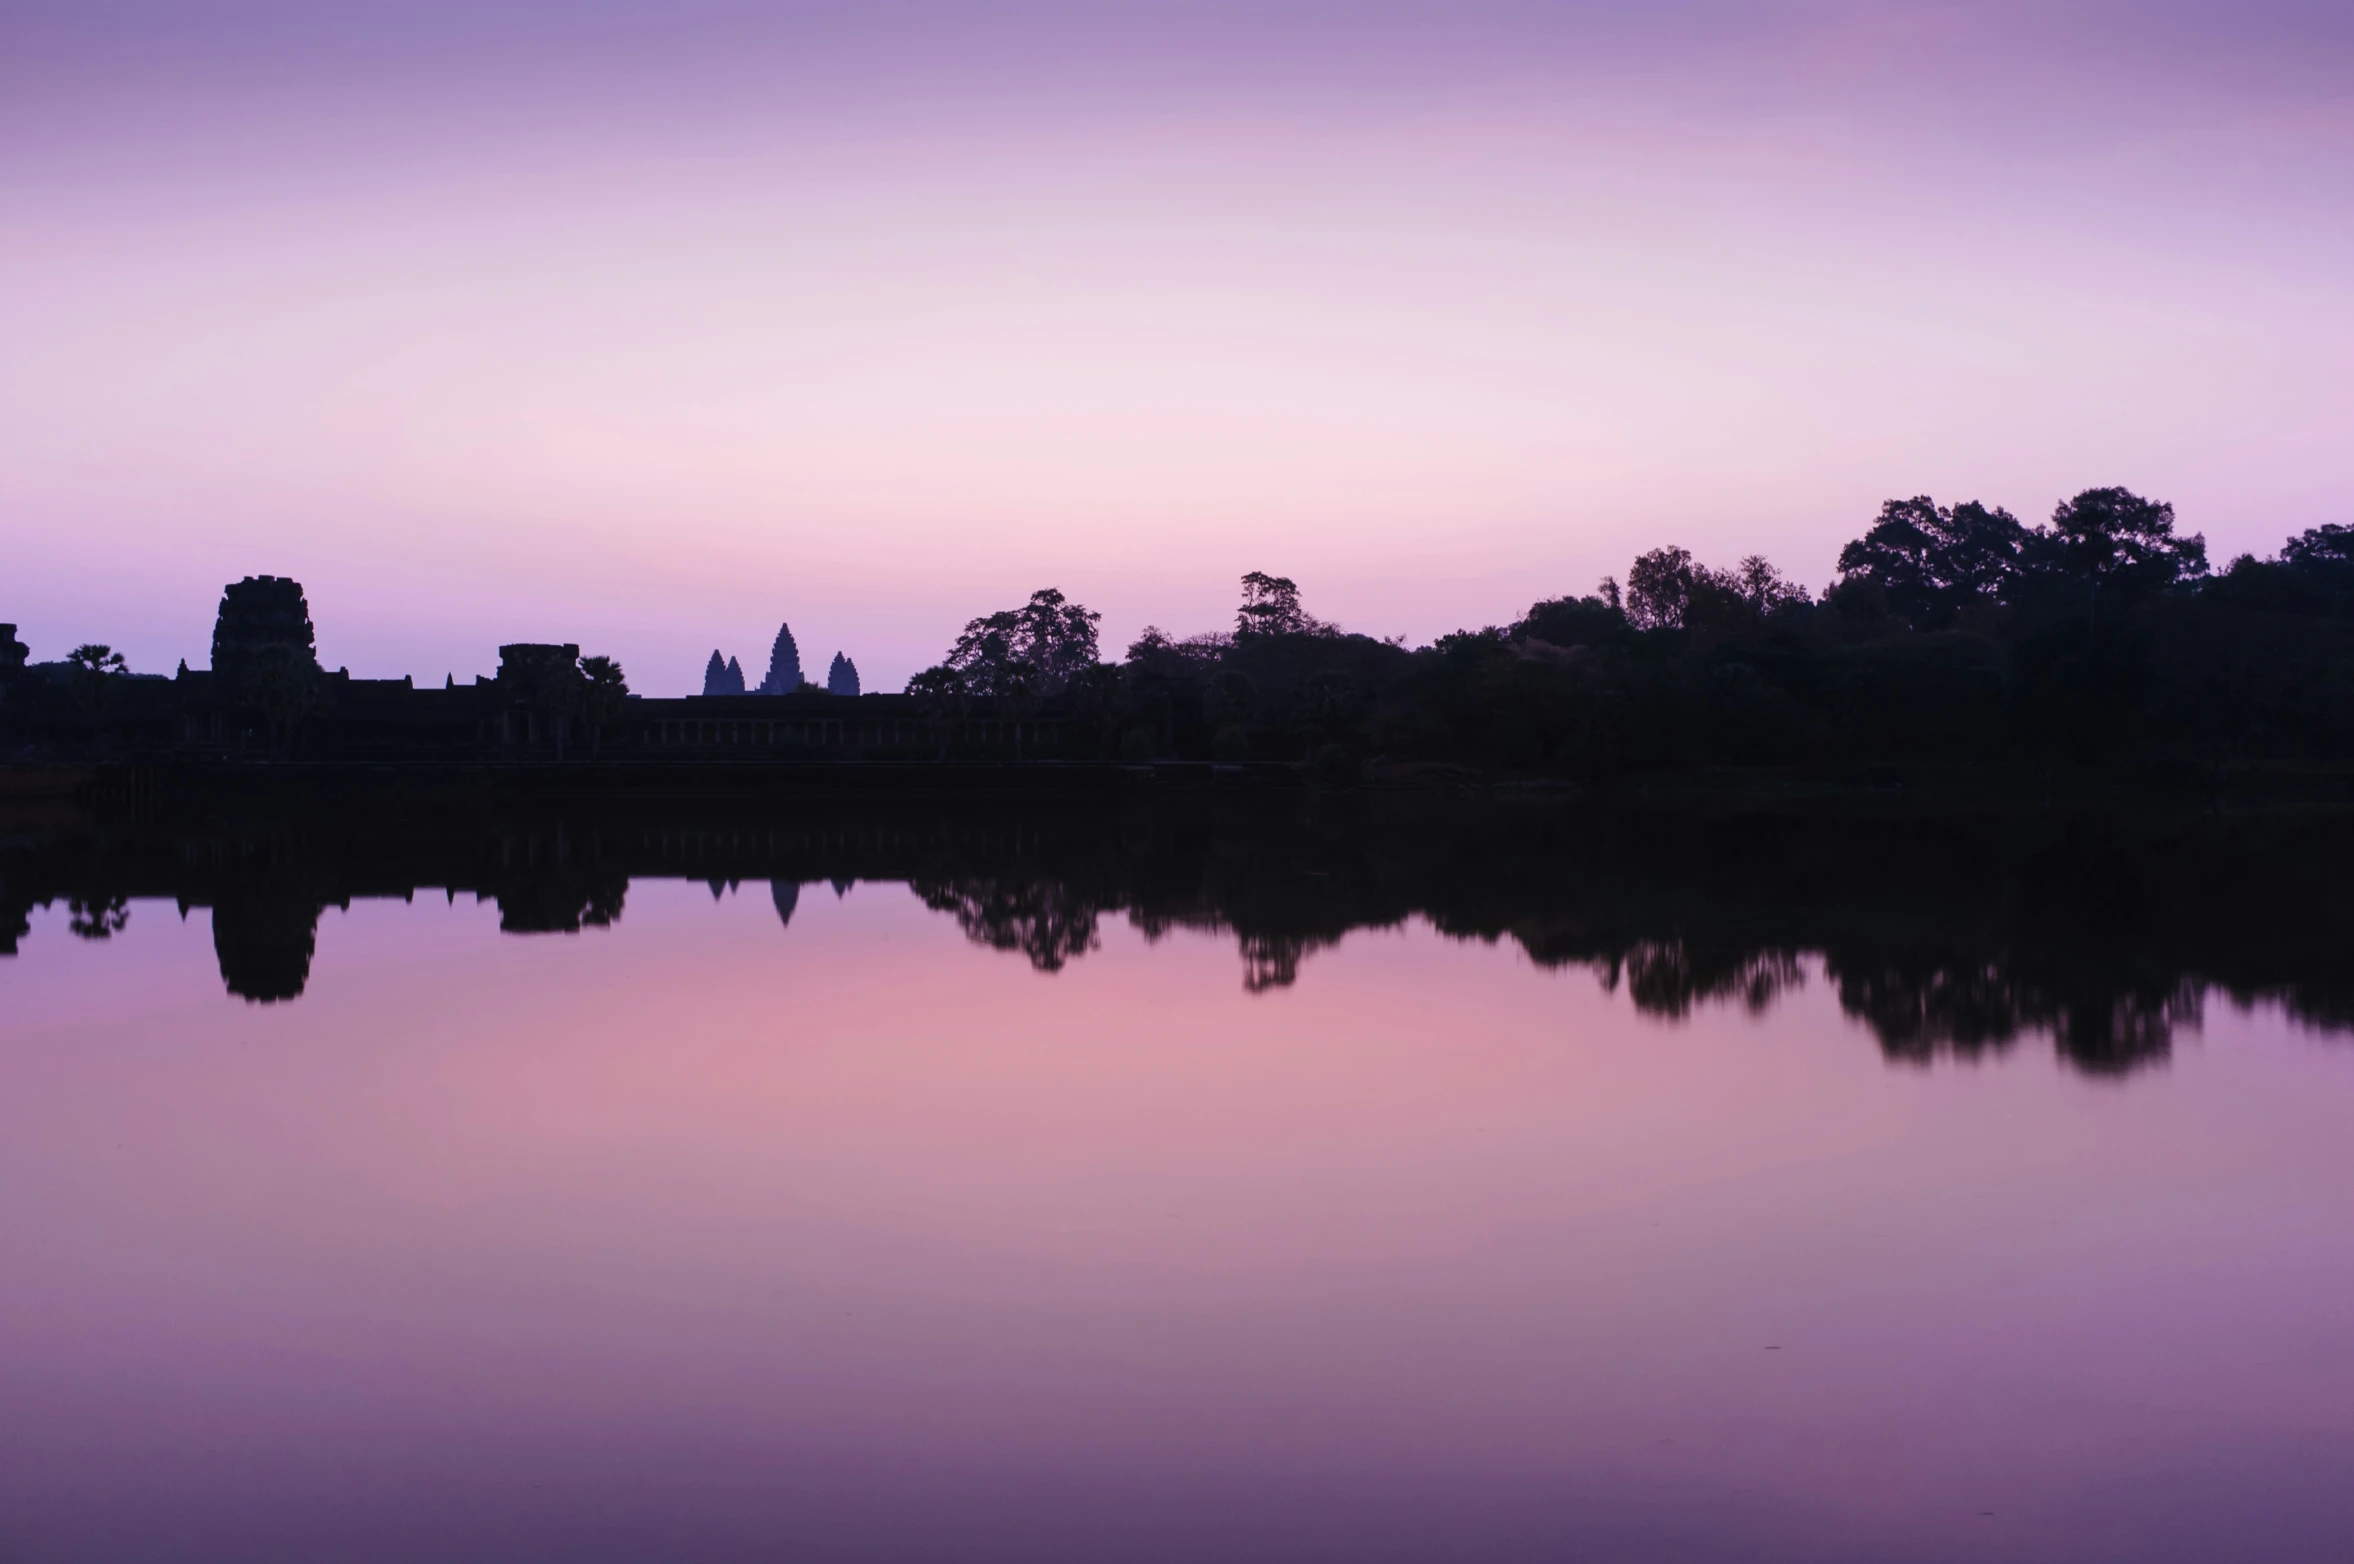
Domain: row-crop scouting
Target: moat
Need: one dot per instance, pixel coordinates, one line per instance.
(1257, 1176)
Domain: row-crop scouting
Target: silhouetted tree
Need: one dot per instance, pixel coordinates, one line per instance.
(1045, 919)
(1156, 653)
(1659, 588)
(1932, 562)
(97, 917)
(2324, 554)
(1058, 638)
(1574, 621)
(1049, 638)
(943, 696)
(2114, 541)
(1270, 606)
(1323, 701)
(94, 663)
(986, 649)
(605, 695)
(1019, 689)
(1668, 590)
(1093, 696)
(1231, 703)
(1762, 588)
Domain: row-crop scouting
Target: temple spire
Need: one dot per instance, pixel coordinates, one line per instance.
(784, 664)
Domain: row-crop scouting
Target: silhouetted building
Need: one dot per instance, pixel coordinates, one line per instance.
(256, 614)
(12, 665)
(784, 665)
(536, 670)
(268, 700)
(264, 936)
(722, 677)
(787, 895)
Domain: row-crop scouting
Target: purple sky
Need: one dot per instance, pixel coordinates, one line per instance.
(648, 325)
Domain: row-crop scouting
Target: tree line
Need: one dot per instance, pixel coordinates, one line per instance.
(1952, 634)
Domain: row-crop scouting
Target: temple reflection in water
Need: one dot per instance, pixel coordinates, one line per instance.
(1948, 937)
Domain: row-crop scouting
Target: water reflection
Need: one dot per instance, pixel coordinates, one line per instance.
(1090, 1184)
(1949, 937)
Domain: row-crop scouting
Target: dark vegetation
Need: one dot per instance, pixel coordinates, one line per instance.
(1954, 636)
(1955, 642)
(1949, 935)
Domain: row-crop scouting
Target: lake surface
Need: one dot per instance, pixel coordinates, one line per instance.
(1171, 1189)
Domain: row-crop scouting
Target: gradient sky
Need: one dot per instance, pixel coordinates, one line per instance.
(648, 325)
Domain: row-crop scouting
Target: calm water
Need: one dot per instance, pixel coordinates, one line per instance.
(1156, 1202)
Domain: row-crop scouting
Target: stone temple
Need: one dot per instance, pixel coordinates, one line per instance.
(722, 677)
(784, 665)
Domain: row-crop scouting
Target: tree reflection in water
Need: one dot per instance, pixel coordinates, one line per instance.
(1046, 920)
(1949, 937)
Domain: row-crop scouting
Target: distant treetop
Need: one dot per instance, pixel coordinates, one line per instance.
(1930, 565)
(1039, 647)
(1667, 590)
(2325, 552)
(2114, 535)
(1271, 606)
(1932, 562)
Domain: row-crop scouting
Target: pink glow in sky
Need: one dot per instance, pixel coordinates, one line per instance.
(649, 326)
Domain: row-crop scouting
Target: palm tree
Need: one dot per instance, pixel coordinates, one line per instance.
(605, 691)
(94, 663)
(565, 696)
